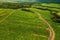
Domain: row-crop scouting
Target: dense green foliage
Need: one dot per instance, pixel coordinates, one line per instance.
(15, 5)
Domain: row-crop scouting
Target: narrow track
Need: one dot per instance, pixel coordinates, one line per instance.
(52, 33)
(7, 16)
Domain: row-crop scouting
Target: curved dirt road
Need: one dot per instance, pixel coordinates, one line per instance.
(52, 33)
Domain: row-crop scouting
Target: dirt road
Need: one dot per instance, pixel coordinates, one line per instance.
(52, 33)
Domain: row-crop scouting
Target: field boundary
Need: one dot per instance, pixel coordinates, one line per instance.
(40, 35)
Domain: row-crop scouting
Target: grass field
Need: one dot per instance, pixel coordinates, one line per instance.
(22, 25)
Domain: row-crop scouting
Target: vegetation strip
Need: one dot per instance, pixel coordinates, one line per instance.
(50, 7)
(52, 33)
(40, 35)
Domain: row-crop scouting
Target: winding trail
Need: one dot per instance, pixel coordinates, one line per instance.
(52, 33)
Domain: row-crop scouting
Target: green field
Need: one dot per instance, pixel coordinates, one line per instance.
(16, 24)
